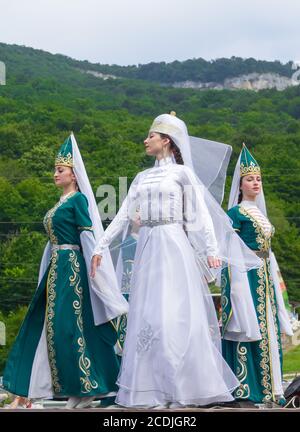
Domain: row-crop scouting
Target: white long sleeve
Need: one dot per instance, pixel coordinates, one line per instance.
(120, 220)
(106, 298)
(115, 227)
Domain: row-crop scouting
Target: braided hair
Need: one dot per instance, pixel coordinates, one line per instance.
(174, 149)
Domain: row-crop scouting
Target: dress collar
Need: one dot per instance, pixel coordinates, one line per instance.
(164, 161)
(248, 204)
(63, 198)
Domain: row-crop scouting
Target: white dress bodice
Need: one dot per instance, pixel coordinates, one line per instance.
(161, 195)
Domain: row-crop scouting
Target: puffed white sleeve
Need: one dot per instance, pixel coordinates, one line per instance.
(120, 221)
(198, 222)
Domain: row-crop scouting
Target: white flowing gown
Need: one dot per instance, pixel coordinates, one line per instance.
(172, 351)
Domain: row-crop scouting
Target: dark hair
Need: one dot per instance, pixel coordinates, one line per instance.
(240, 198)
(174, 148)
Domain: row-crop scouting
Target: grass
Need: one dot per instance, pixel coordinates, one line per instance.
(291, 360)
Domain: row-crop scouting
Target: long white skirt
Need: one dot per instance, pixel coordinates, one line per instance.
(172, 351)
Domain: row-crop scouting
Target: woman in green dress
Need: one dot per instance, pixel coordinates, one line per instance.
(65, 347)
(253, 311)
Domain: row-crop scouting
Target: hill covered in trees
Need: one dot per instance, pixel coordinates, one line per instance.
(198, 69)
(47, 96)
(194, 69)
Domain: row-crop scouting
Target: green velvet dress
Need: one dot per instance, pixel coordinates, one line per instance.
(81, 355)
(252, 361)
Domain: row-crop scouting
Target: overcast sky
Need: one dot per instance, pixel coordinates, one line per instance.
(140, 31)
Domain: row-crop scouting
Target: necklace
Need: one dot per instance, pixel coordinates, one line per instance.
(64, 197)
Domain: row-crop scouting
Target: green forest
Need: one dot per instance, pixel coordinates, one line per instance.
(194, 69)
(46, 96)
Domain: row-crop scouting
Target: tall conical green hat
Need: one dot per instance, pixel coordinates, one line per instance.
(65, 154)
(248, 164)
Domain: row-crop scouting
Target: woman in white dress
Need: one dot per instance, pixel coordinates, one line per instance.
(172, 352)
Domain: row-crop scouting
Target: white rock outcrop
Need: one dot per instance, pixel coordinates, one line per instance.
(253, 81)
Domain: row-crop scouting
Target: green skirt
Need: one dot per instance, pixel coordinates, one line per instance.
(81, 355)
(251, 361)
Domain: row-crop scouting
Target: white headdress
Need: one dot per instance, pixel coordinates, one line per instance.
(241, 294)
(208, 159)
(106, 298)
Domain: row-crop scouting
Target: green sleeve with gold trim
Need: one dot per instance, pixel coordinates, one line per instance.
(82, 216)
(233, 213)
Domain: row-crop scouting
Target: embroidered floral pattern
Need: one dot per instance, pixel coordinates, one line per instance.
(243, 392)
(84, 361)
(50, 313)
(49, 216)
(224, 300)
(145, 339)
(264, 343)
(263, 241)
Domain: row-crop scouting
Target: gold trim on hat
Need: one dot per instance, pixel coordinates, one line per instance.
(247, 170)
(164, 128)
(64, 160)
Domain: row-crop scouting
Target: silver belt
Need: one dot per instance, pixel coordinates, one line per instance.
(150, 223)
(55, 247)
(262, 254)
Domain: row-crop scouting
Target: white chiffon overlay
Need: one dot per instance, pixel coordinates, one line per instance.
(259, 212)
(172, 351)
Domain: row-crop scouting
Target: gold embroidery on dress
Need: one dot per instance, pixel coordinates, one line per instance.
(84, 361)
(243, 392)
(48, 223)
(51, 295)
(224, 301)
(268, 325)
(263, 241)
(122, 328)
(264, 343)
(49, 216)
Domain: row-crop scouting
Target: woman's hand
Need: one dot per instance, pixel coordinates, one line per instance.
(96, 261)
(213, 262)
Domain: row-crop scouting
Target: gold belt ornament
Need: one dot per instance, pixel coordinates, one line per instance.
(153, 223)
(56, 247)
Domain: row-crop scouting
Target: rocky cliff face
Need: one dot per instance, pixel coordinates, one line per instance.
(253, 81)
(99, 74)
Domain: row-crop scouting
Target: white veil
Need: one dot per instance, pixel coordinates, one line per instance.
(106, 298)
(210, 160)
(153, 255)
(231, 249)
(240, 328)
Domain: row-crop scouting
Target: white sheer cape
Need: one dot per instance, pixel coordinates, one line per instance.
(244, 325)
